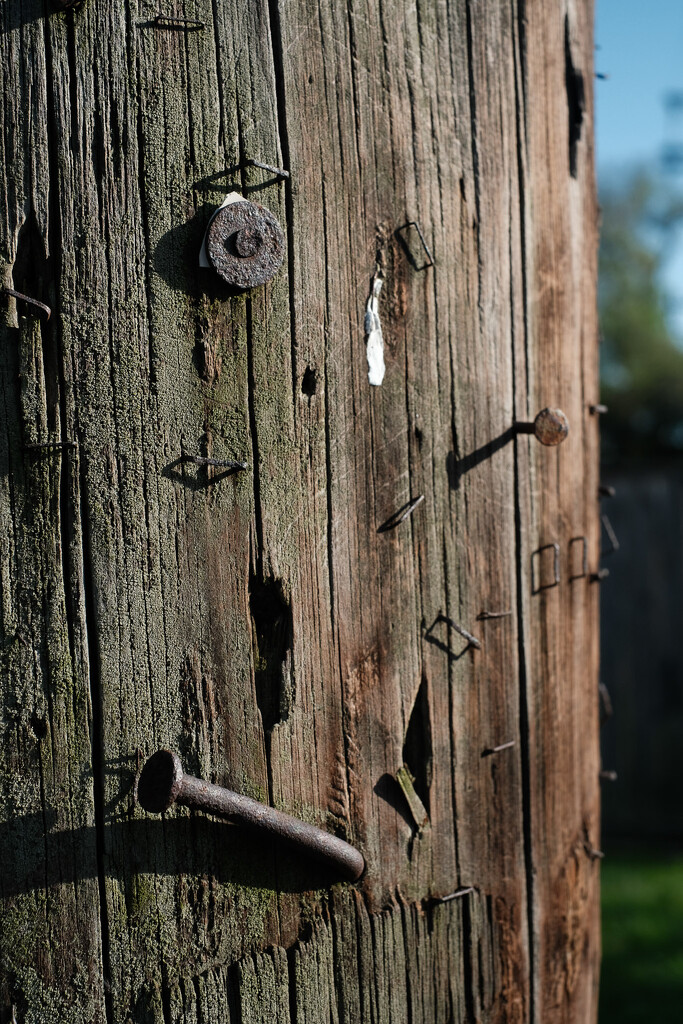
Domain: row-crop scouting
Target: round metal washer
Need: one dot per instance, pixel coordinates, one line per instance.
(245, 244)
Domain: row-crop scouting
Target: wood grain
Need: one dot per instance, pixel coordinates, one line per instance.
(262, 623)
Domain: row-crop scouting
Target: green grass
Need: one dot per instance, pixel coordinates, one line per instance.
(642, 936)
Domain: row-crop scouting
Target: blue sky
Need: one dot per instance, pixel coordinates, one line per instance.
(640, 47)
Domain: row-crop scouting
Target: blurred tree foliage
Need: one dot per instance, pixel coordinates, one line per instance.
(641, 359)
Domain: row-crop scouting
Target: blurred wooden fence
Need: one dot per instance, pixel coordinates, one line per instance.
(642, 655)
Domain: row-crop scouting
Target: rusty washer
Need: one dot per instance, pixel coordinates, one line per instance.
(245, 244)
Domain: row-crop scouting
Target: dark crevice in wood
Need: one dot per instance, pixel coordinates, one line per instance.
(417, 746)
(524, 745)
(405, 912)
(468, 960)
(309, 382)
(97, 738)
(144, 220)
(256, 463)
(219, 75)
(576, 99)
(68, 518)
(519, 54)
(281, 102)
(475, 144)
(271, 617)
(291, 969)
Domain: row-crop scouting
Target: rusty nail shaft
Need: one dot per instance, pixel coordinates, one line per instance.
(280, 171)
(456, 895)
(199, 460)
(496, 750)
(27, 298)
(411, 508)
(472, 640)
(164, 21)
(162, 783)
(56, 446)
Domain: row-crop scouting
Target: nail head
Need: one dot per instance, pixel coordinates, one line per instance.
(551, 426)
(160, 781)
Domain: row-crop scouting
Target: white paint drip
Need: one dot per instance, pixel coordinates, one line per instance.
(373, 332)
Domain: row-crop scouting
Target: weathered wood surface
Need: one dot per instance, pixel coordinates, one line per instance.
(258, 622)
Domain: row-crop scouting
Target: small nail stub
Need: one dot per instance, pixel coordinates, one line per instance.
(598, 410)
(608, 776)
(162, 783)
(550, 427)
(497, 750)
(465, 891)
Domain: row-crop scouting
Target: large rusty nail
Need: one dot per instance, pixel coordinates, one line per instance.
(31, 302)
(162, 783)
(245, 244)
(550, 427)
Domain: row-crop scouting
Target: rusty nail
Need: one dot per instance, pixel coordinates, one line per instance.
(496, 750)
(162, 783)
(597, 410)
(199, 460)
(164, 21)
(609, 776)
(399, 517)
(51, 446)
(611, 535)
(245, 244)
(27, 298)
(281, 173)
(472, 640)
(455, 895)
(550, 427)
(430, 258)
(411, 508)
(606, 708)
(606, 491)
(555, 548)
(483, 616)
(584, 560)
(599, 576)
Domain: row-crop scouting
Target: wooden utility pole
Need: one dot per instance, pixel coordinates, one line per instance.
(261, 622)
